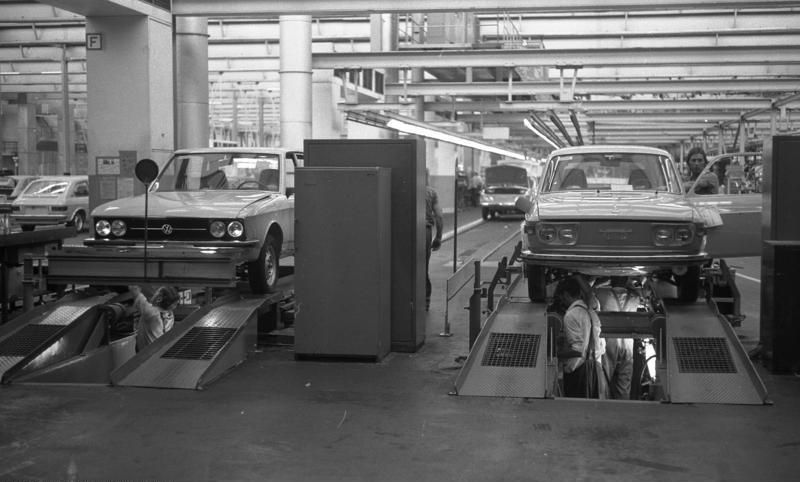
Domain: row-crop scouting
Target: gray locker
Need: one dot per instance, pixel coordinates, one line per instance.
(343, 262)
(406, 159)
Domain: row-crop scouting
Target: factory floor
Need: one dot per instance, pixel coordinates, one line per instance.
(277, 419)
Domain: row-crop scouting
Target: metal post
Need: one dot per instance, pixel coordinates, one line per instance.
(455, 219)
(475, 307)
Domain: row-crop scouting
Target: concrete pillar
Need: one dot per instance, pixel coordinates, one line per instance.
(296, 84)
(66, 146)
(191, 79)
(29, 158)
(130, 101)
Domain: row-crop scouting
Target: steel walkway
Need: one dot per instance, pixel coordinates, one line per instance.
(198, 350)
(705, 361)
(510, 355)
(48, 334)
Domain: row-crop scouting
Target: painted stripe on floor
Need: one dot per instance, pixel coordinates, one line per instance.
(748, 278)
(461, 229)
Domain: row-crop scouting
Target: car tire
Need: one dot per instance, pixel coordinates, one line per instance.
(79, 221)
(487, 215)
(688, 285)
(262, 274)
(537, 282)
(28, 227)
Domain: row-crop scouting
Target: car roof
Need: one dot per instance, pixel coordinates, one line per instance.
(63, 178)
(244, 150)
(608, 148)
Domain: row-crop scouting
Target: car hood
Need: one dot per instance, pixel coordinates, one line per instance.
(188, 204)
(630, 205)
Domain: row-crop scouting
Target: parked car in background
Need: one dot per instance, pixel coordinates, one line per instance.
(12, 186)
(51, 200)
(208, 207)
(612, 211)
(503, 184)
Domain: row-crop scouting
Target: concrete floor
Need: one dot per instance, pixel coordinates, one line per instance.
(274, 418)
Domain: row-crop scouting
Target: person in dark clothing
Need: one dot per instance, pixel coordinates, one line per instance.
(433, 235)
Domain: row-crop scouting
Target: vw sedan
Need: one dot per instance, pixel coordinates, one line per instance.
(613, 210)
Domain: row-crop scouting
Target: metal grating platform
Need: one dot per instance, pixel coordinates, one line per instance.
(200, 343)
(705, 362)
(27, 339)
(703, 355)
(511, 350)
(506, 360)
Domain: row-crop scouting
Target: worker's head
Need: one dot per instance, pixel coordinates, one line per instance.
(619, 281)
(569, 290)
(696, 159)
(165, 298)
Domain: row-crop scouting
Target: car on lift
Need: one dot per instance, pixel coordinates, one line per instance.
(607, 210)
(503, 184)
(231, 202)
(51, 200)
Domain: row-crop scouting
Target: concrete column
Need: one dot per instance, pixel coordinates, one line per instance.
(130, 101)
(296, 85)
(29, 158)
(191, 79)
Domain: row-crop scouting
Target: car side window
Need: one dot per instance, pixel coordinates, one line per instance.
(81, 190)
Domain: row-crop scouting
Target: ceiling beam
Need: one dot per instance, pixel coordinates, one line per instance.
(238, 8)
(567, 58)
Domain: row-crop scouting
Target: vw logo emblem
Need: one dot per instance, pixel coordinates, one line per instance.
(166, 229)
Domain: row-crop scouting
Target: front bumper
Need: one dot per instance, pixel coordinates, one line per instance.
(614, 264)
(125, 265)
(40, 219)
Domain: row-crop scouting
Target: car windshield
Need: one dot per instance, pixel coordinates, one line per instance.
(506, 175)
(220, 171)
(45, 188)
(611, 172)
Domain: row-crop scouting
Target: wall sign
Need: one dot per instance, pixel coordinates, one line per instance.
(94, 41)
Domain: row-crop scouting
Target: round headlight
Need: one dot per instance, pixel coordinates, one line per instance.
(102, 228)
(217, 229)
(547, 233)
(663, 234)
(235, 229)
(567, 234)
(683, 234)
(118, 228)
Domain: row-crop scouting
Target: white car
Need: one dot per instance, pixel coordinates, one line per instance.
(51, 200)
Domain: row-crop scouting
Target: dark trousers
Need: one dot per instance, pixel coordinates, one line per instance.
(575, 384)
(428, 287)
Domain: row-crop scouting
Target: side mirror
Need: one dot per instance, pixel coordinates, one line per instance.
(523, 204)
(289, 191)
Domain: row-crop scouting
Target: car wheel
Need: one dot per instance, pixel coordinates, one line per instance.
(79, 221)
(537, 282)
(486, 214)
(262, 273)
(28, 227)
(688, 285)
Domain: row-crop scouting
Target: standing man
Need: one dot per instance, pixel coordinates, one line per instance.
(475, 186)
(618, 361)
(433, 234)
(582, 365)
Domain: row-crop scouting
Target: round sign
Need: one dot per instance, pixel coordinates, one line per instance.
(146, 170)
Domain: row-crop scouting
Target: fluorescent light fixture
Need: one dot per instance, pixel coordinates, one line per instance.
(530, 126)
(402, 126)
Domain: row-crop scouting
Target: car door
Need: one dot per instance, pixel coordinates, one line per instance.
(738, 201)
(292, 161)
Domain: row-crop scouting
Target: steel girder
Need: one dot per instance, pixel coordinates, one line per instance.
(239, 8)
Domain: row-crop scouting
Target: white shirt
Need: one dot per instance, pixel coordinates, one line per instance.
(577, 322)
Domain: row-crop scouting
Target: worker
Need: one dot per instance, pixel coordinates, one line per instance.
(581, 361)
(708, 183)
(475, 186)
(156, 316)
(617, 295)
(433, 235)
